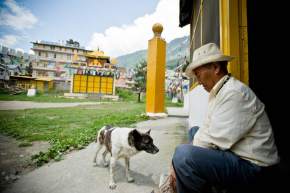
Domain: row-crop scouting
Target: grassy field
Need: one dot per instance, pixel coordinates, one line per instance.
(125, 95)
(67, 128)
(47, 97)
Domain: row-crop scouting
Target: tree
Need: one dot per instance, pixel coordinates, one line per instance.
(29, 69)
(140, 75)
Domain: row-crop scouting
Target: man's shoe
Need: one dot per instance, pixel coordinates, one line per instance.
(165, 184)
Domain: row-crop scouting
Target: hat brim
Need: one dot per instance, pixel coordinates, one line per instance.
(197, 63)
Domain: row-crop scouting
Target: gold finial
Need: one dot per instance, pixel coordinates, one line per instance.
(157, 29)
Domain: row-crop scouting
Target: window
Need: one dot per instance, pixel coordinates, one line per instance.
(205, 23)
(54, 55)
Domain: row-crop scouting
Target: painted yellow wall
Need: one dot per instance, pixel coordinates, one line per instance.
(40, 86)
(92, 84)
(234, 36)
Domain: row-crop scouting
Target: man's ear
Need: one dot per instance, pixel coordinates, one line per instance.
(217, 68)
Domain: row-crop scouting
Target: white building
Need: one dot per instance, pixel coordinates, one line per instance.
(58, 61)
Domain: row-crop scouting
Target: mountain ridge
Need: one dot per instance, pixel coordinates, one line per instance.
(176, 50)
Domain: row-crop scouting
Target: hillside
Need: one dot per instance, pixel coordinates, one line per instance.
(175, 51)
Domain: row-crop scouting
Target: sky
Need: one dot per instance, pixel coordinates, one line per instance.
(116, 27)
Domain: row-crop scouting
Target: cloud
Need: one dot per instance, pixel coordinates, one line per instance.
(15, 16)
(31, 52)
(119, 40)
(20, 50)
(8, 40)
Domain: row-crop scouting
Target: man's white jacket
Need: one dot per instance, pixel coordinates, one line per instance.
(236, 120)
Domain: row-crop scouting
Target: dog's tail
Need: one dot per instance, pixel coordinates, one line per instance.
(102, 131)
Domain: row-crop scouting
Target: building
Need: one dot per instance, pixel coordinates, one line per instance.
(14, 62)
(98, 60)
(98, 77)
(58, 61)
(124, 78)
(15, 69)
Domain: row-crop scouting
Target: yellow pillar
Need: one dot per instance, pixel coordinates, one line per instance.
(243, 28)
(155, 92)
(234, 36)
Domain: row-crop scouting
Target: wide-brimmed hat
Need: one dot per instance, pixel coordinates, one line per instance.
(205, 54)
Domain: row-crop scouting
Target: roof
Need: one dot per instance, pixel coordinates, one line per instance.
(185, 12)
(97, 54)
(60, 45)
(23, 77)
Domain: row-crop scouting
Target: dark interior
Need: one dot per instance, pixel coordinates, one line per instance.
(267, 74)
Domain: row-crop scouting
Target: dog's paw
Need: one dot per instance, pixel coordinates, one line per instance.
(106, 164)
(112, 185)
(95, 163)
(130, 179)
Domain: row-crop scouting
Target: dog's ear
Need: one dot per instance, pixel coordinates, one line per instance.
(136, 134)
(148, 132)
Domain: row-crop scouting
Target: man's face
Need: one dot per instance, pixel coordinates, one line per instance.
(205, 76)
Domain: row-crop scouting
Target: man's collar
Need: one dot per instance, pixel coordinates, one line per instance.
(214, 91)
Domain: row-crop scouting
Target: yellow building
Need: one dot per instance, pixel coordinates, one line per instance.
(93, 84)
(98, 77)
(98, 59)
(27, 82)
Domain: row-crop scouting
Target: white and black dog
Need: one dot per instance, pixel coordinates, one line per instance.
(122, 142)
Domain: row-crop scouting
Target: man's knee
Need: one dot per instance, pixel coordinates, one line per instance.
(189, 154)
(182, 153)
(186, 168)
(191, 133)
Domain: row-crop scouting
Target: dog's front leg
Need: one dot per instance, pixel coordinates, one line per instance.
(112, 184)
(127, 165)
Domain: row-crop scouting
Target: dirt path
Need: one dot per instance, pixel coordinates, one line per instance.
(16, 161)
(15, 105)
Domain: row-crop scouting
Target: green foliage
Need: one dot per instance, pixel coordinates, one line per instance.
(140, 76)
(67, 129)
(126, 95)
(168, 103)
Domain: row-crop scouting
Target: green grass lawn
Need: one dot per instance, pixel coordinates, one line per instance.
(168, 103)
(67, 128)
(46, 97)
(125, 95)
